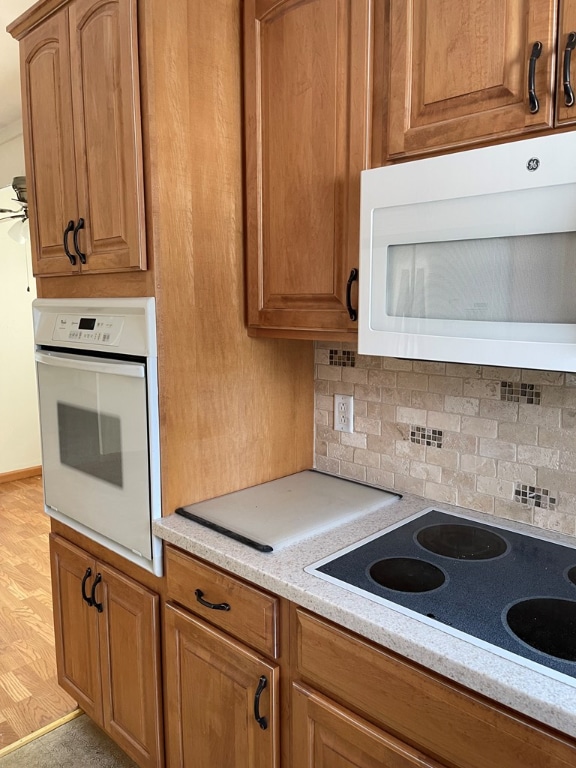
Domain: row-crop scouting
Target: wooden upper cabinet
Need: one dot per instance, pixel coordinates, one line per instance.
(566, 101)
(81, 106)
(306, 114)
(457, 73)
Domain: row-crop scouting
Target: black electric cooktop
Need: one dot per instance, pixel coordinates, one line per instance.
(510, 590)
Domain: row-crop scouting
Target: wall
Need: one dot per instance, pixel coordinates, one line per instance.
(496, 440)
(11, 153)
(19, 430)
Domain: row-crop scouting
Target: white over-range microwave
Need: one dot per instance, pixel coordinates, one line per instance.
(471, 257)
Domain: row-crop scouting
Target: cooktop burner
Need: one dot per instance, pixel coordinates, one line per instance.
(499, 588)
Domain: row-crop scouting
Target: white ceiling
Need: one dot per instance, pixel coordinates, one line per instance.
(10, 109)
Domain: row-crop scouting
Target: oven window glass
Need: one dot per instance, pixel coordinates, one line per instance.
(90, 442)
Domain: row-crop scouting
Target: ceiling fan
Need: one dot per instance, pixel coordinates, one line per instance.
(19, 187)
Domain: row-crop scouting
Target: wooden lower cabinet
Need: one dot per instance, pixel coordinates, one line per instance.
(325, 735)
(108, 649)
(212, 700)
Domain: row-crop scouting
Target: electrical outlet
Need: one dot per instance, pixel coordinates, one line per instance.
(344, 413)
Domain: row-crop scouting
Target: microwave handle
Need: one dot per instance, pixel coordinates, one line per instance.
(114, 368)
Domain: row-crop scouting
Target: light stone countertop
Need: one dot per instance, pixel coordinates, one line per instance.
(538, 695)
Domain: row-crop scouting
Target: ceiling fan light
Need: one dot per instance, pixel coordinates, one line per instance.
(20, 232)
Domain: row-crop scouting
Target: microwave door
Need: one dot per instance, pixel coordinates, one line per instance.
(94, 432)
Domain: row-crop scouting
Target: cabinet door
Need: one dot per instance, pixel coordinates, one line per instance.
(458, 72)
(130, 659)
(49, 142)
(326, 736)
(75, 626)
(211, 687)
(566, 102)
(306, 105)
(107, 133)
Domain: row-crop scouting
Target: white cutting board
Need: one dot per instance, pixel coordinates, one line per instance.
(284, 511)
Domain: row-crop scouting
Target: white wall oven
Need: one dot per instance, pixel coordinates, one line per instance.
(96, 363)
(471, 257)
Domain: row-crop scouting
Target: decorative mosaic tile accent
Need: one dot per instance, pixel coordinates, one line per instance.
(426, 436)
(343, 357)
(516, 392)
(533, 496)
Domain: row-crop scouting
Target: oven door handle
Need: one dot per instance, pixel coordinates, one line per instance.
(134, 370)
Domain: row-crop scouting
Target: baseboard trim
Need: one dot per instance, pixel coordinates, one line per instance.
(40, 732)
(19, 474)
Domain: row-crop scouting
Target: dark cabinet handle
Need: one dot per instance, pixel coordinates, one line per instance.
(532, 98)
(215, 606)
(67, 231)
(351, 311)
(97, 605)
(260, 720)
(77, 228)
(85, 597)
(568, 92)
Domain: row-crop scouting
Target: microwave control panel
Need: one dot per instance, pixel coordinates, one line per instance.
(98, 329)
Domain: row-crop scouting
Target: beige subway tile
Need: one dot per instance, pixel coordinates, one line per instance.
(517, 473)
(353, 439)
(428, 366)
(367, 458)
(341, 388)
(329, 372)
(502, 374)
(468, 406)
(442, 457)
(440, 493)
(326, 433)
(405, 448)
(570, 379)
(540, 415)
(321, 417)
(321, 356)
(371, 362)
(559, 397)
(411, 415)
(321, 387)
(395, 464)
(554, 520)
(518, 433)
(340, 452)
(360, 409)
(474, 500)
(352, 346)
(369, 426)
(566, 502)
(555, 480)
(542, 377)
(472, 425)
(556, 438)
(539, 457)
(478, 465)
(445, 385)
(412, 381)
(429, 401)
(449, 422)
(464, 370)
(327, 465)
(380, 411)
(407, 484)
(324, 403)
(501, 410)
(425, 471)
(457, 479)
(396, 396)
(355, 375)
(367, 393)
(485, 388)
(328, 344)
(378, 477)
(455, 441)
(497, 449)
(353, 471)
(320, 448)
(381, 444)
(381, 378)
(495, 486)
(568, 418)
(568, 461)
(512, 510)
(396, 364)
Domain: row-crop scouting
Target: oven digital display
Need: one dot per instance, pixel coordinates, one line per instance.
(87, 323)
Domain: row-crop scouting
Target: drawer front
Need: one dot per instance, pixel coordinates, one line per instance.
(252, 616)
(441, 719)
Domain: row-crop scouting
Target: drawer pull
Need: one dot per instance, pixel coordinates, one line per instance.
(95, 603)
(568, 92)
(85, 597)
(259, 719)
(215, 606)
(67, 231)
(532, 98)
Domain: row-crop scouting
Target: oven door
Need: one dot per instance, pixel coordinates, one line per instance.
(95, 455)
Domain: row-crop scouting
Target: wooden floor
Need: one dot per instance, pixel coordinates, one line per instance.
(30, 697)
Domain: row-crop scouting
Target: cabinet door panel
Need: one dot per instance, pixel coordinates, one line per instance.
(75, 626)
(325, 735)
(107, 131)
(48, 142)
(458, 72)
(306, 85)
(211, 681)
(565, 115)
(130, 658)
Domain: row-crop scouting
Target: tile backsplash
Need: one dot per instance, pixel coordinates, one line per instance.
(497, 440)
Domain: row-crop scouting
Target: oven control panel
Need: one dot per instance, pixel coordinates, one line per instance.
(83, 329)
